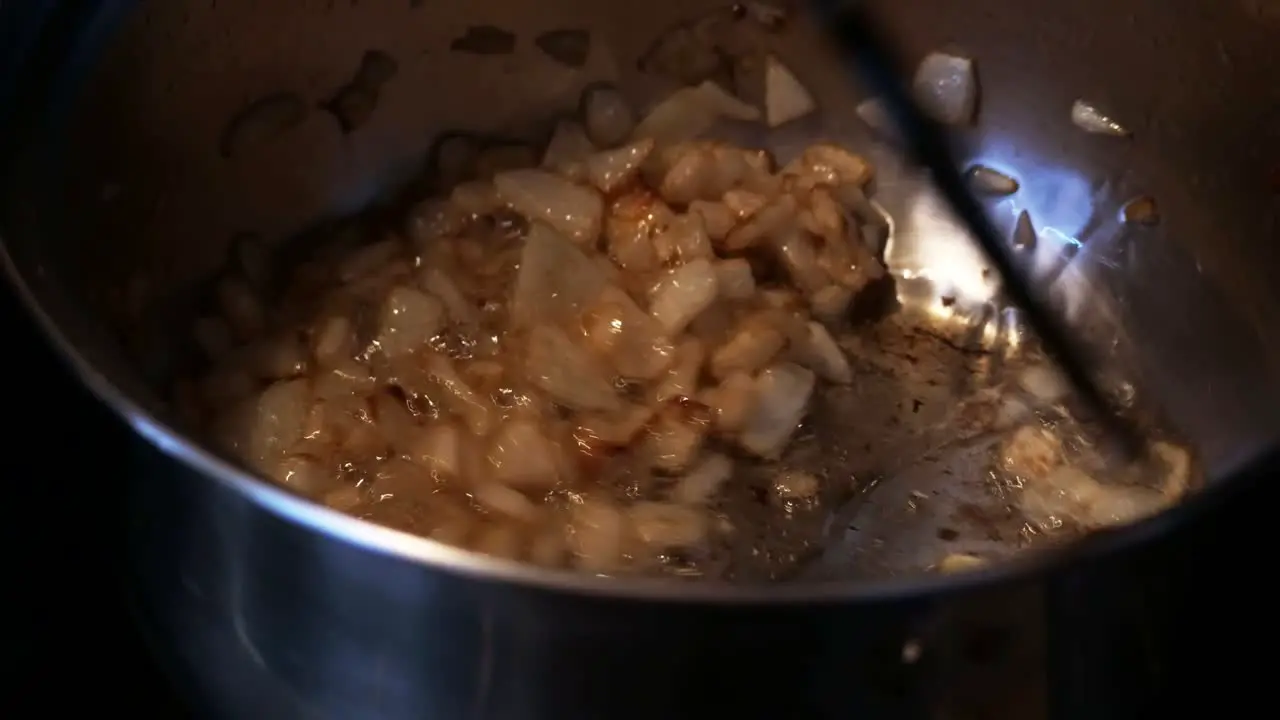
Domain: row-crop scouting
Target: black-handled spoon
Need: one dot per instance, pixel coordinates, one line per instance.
(860, 40)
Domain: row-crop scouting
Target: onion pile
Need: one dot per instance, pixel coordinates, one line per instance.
(558, 364)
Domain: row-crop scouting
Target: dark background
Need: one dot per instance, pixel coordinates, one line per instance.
(71, 644)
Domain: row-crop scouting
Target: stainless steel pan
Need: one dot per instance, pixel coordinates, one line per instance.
(118, 204)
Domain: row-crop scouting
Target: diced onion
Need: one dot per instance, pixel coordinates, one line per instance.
(786, 98)
(607, 116)
(1092, 120)
(520, 456)
(611, 170)
(782, 397)
(947, 86)
(702, 482)
(689, 112)
(682, 294)
(567, 373)
(556, 280)
(664, 525)
(568, 150)
(572, 209)
(409, 320)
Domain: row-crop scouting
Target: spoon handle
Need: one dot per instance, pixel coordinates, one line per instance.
(864, 45)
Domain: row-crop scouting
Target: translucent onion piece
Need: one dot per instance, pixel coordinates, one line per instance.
(702, 482)
(333, 341)
(822, 355)
(598, 535)
(783, 393)
(786, 98)
(796, 251)
(1088, 118)
(734, 279)
(673, 441)
(666, 525)
(633, 340)
(716, 217)
(556, 281)
(474, 409)
(611, 170)
(681, 380)
(685, 240)
(947, 87)
(633, 220)
(568, 149)
(506, 501)
(278, 419)
(568, 373)
(456, 305)
(438, 448)
(689, 112)
(521, 456)
(607, 116)
(572, 209)
(732, 402)
(741, 204)
(409, 320)
(751, 346)
(775, 219)
(683, 294)
(705, 170)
